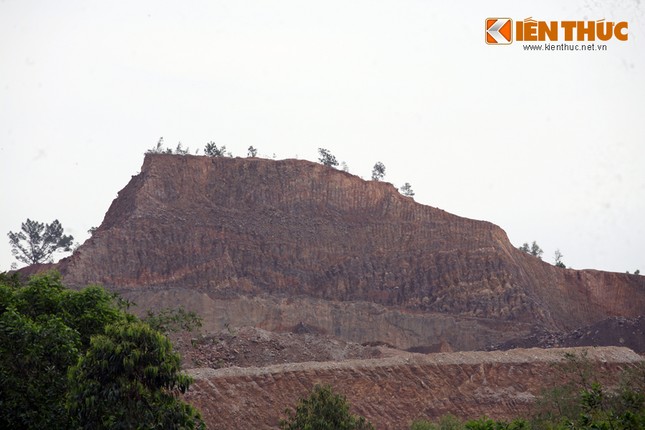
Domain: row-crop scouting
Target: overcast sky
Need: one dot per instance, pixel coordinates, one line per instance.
(548, 145)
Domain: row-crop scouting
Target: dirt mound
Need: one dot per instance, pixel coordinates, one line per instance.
(628, 332)
(254, 347)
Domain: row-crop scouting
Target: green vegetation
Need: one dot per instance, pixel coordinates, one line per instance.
(447, 422)
(378, 171)
(159, 149)
(406, 190)
(534, 249)
(327, 158)
(212, 150)
(36, 242)
(484, 423)
(323, 410)
(180, 150)
(581, 403)
(76, 359)
(558, 259)
(129, 378)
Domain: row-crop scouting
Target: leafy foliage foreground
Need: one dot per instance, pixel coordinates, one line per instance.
(76, 359)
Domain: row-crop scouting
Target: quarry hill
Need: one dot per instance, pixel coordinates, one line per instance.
(280, 244)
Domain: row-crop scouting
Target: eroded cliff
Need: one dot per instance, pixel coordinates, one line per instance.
(275, 243)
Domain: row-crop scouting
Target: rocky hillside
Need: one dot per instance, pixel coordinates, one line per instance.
(392, 392)
(274, 244)
(611, 331)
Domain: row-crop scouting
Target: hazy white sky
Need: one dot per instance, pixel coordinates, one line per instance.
(549, 146)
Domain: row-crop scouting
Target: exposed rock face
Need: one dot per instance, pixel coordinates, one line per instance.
(629, 332)
(392, 392)
(277, 243)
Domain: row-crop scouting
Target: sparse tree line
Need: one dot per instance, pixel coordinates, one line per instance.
(36, 242)
(210, 149)
(326, 158)
(535, 250)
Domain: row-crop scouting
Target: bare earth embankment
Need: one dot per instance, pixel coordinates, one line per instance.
(393, 391)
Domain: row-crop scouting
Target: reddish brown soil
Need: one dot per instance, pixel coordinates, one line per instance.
(391, 392)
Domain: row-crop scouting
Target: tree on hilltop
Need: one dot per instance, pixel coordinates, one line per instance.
(326, 158)
(212, 150)
(378, 172)
(534, 249)
(406, 190)
(558, 259)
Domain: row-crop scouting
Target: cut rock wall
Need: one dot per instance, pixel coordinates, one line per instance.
(233, 228)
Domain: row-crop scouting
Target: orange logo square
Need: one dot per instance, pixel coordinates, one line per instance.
(499, 31)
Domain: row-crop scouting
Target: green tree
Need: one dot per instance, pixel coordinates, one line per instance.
(252, 151)
(378, 171)
(36, 242)
(558, 259)
(212, 150)
(327, 158)
(45, 328)
(129, 378)
(323, 410)
(534, 249)
(406, 190)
